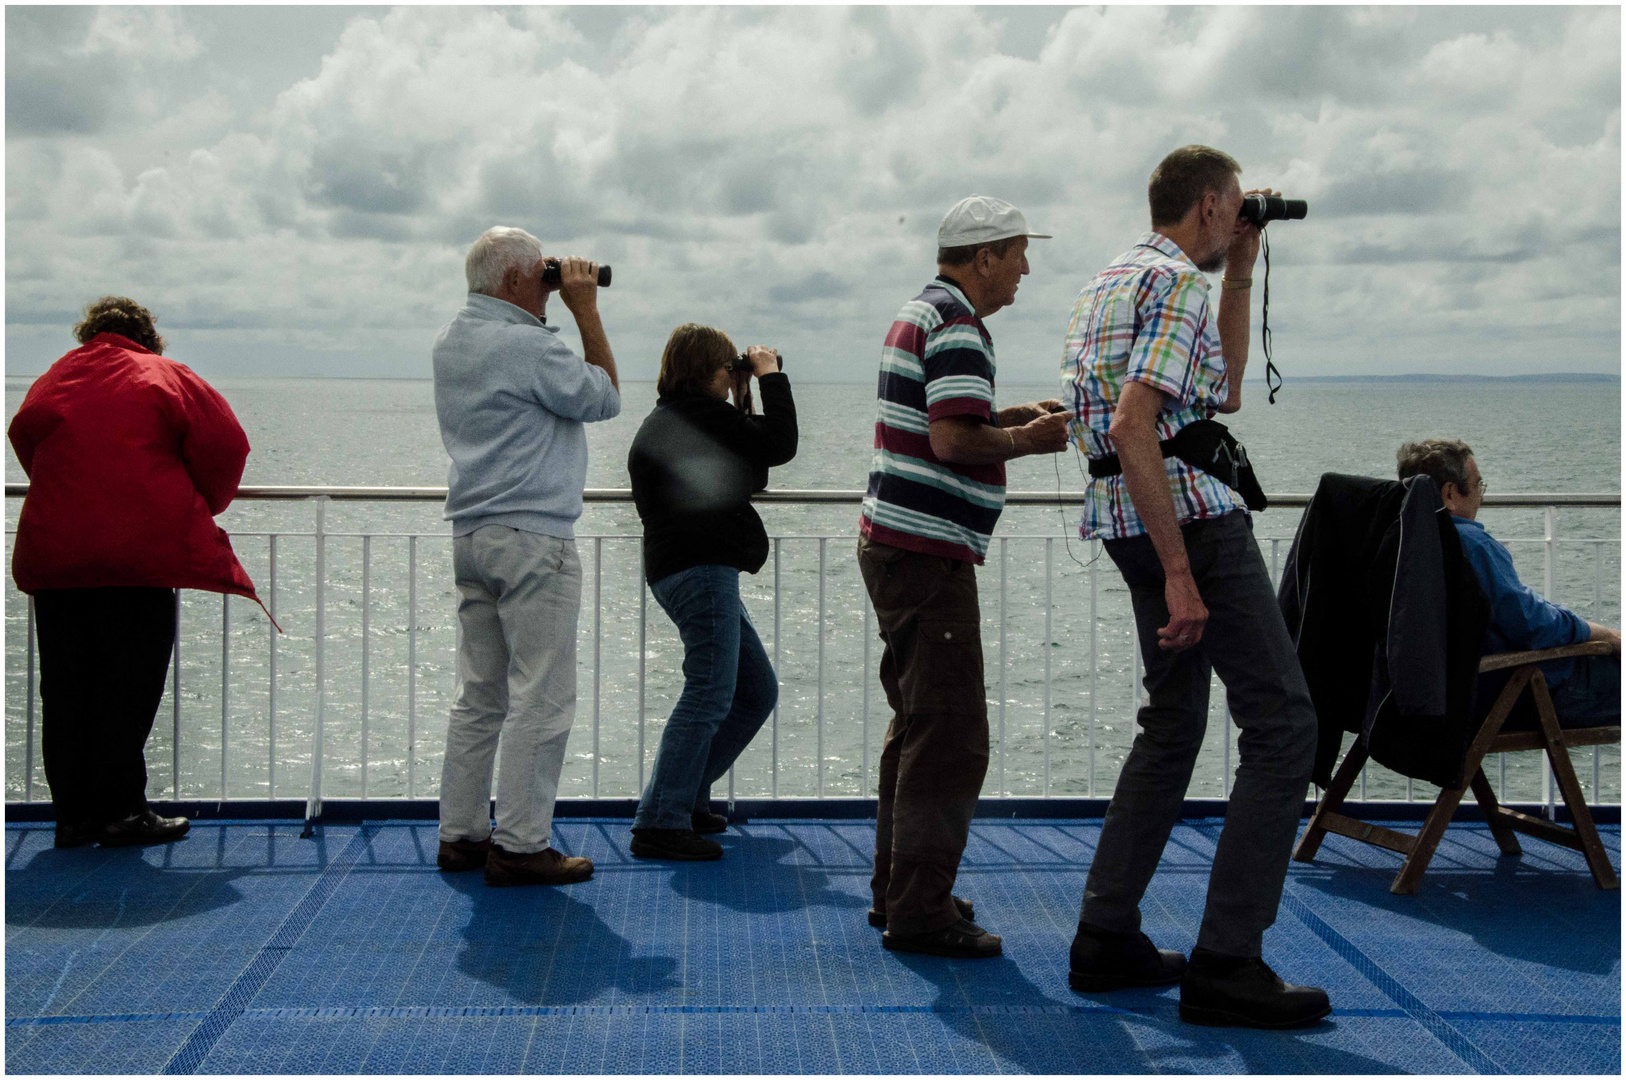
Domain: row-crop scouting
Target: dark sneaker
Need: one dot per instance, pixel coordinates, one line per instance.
(71, 835)
(683, 845)
(143, 828)
(708, 823)
(1104, 960)
(1235, 991)
(968, 911)
(964, 940)
(545, 867)
(458, 855)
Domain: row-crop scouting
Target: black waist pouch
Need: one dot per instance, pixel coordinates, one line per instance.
(1207, 445)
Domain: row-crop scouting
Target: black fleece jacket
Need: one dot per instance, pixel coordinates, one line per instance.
(694, 465)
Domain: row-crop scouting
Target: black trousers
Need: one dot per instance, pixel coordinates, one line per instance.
(104, 654)
(1247, 644)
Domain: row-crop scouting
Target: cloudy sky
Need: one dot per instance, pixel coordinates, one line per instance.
(291, 190)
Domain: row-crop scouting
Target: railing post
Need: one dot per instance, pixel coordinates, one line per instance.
(1550, 592)
(643, 621)
(412, 667)
(175, 702)
(598, 638)
(1003, 665)
(313, 803)
(1049, 640)
(225, 666)
(863, 788)
(819, 697)
(28, 752)
(1095, 652)
(773, 762)
(366, 648)
(271, 670)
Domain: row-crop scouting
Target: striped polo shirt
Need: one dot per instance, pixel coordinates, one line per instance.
(1146, 319)
(938, 361)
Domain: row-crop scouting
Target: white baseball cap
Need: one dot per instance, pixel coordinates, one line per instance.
(982, 219)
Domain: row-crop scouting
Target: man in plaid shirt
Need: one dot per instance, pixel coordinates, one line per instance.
(1146, 355)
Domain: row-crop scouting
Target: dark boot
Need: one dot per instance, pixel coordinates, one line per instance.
(964, 940)
(1238, 991)
(968, 911)
(71, 834)
(681, 845)
(708, 823)
(143, 828)
(545, 867)
(1105, 960)
(456, 856)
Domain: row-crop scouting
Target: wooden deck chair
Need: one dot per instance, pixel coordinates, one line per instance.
(1548, 737)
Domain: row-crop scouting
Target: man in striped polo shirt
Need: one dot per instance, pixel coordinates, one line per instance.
(1146, 356)
(936, 487)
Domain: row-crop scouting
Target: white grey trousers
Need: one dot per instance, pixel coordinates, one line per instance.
(520, 593)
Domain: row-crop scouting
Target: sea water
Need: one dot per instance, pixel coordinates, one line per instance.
(1063, 701)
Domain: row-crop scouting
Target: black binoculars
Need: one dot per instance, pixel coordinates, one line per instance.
(550, 273)
(742, 363)
(1258, 209)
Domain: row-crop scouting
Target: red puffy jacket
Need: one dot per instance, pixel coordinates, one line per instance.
(129, 457)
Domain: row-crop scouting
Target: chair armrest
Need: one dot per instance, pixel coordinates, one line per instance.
(1537, 656)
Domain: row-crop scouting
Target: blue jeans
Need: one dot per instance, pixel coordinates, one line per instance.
(729, 689)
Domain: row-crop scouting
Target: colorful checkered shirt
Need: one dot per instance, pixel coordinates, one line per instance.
(1144, 319)
(938, 361)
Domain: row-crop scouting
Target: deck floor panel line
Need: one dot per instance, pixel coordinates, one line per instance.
(236, 999)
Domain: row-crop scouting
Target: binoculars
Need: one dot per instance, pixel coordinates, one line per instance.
(1258, 209)
(742, 363)
(550, 273)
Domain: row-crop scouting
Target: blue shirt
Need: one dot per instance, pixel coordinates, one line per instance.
(1520, 618)
(511, 399)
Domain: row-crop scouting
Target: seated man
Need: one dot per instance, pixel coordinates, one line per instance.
(1585, 689)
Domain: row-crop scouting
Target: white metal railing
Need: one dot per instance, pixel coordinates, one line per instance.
(320, 497)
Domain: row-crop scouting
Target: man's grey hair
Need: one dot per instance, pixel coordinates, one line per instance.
(498, 250)
(1446, 460)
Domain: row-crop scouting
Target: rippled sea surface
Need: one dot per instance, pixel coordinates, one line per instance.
(1061, 662)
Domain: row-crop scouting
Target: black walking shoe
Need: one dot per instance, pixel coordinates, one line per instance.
(1236, 991)
(708, 823)
(72, 835)
(143, 828)
(683, 845)
(1105, 960)
(968, 911)
(964, 940)
(456, 856)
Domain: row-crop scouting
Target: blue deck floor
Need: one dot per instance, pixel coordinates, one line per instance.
(247, 949)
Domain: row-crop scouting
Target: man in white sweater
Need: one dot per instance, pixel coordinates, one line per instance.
(512, 400)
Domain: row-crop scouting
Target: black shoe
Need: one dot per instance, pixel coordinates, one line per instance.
(71, 835)
(684, 845)
(1104, 960)
(1235, 991)
(455, 856)
(708, 823)
(143, 828)
(968, 912)
(964, 940)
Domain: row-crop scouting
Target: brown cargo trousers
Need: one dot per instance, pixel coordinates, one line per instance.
(936, 750)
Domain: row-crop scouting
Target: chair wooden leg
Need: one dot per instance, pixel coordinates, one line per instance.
(1411, 871)
(1506, 838)
(1337, 791)
(1597, 859)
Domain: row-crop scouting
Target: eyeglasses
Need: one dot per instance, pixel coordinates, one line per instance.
(1480, 487)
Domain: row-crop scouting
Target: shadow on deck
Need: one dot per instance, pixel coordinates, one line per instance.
(246, 949)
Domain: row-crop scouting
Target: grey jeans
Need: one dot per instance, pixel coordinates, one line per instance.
(519, 596)
(1246, 642)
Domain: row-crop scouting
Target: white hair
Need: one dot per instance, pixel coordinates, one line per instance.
(498, 250)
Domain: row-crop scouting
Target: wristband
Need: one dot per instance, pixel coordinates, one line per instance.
(1236, 283)
(1011, 435)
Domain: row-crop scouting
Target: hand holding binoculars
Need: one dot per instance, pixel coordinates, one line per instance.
(742, 363)
(550, 274)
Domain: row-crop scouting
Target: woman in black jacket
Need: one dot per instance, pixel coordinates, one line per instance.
(694, 464)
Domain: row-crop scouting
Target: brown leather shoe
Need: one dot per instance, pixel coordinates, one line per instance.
(545, 867)
(456, 856)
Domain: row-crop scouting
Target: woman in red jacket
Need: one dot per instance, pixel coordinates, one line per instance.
(129, 457)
